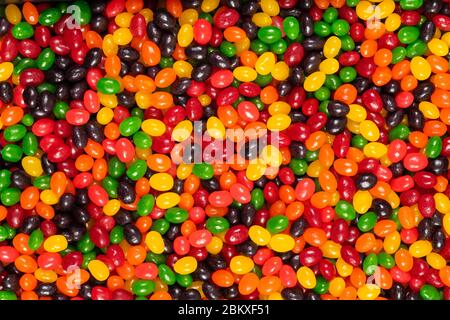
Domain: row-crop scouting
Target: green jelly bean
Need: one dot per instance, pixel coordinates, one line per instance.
(84, 14)
(258, 103)
(263, 80)
(42, 182)
(352, 3)
(7, 295)
(46, 87)
(116, 235)
(161, 226)
(332, 81)
(322, 285)
(312, 155)
(203, 170)
(347, 74)
(347, 43)
(155, 258)
(258, 47)
(277, 224)
(257, 198)
(176, 215)
(417, 48)
(184, 280)
(269, 34)
(10, 196)
(142, 287)
(3, 233)
(60, 110)
(367, 221)
(340, 27)
(291, 27)
(12, 153)
(428, 292)
(358, 141)
(434, 147)
(217, 225)
(15, 133)
(10, 231)
(399, 132)
(330, 15)
(46, 59)
(5, 179)
(88, 257)
(137, 112)
(322, 94)
(111, 186)
(298, 166)
(322, 29)
(370, 264)
(49, 16)
(142, 140)
(27, 120)
(166, 62)
(166, 274)
(410, 4)
(30, 144)
(279, 47)
(145, 205)
(116, 168)
(345, 210)
(398, 54)
(85, 244)
(36, 239)
(130, 126)
(408, 34)
(25, 63)
(108, 86)
(385, 260)
(137, 170)
(228, 49)
(22, 30)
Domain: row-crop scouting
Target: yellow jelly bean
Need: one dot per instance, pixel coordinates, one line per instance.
(123, 19)
(49, 197)
(241, 264)
(282, 243)
(306, 277)
(45, 276)
(314, 169)
(279, 107)
(420, 68)
(108, 100)
(280, 71)
(343, 268)
(438, 47)
(393, 199)
(362, 201)
(446, 223)
(275, 296)
(261, 19)
(336, 287)
(167, 200)
(436, 261)
(185, 35)
(182, 69)
(255, 169)
(259, 235)
(442, 203)
(391, 242)
(265, 63)
(32, 166)
(154, 242)
(278, 122)
(55, 243)
(245, 74)
(242, 46)
(204, 99)
(109, 46)
(161, 181)
(188, 16)
(122, 36)
(331, 249)
(143, 99)
(215, 128)
(420, 248)
(369, 130)
(153, 127)
(368, 292)
(105, 115)
(393, 22)
(374, 150)
(357, 113)
(270, 7)
(331, 47)
(385, 8)
(185, 265)
(215, 245)
(13, 14)
(365, 10)
(98, 269)
(446, 38)
(209, 5)
(329, 66)
(111, 207)
(182, 131)
(314, 81)
(429, 110)
(184, 170)
(6, 70)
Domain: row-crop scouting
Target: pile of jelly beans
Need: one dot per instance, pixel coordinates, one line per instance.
(349, 198)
